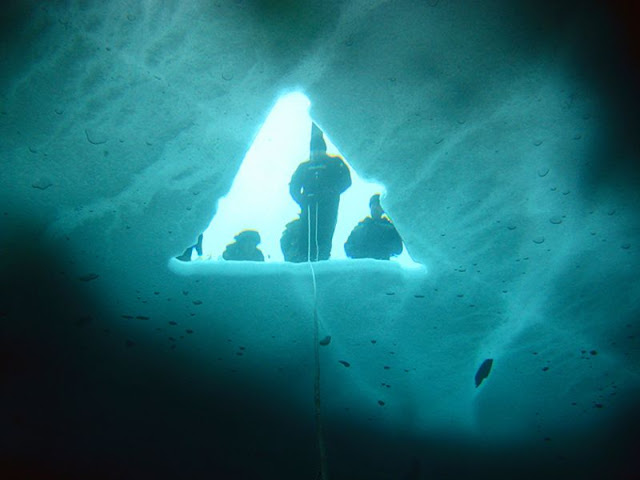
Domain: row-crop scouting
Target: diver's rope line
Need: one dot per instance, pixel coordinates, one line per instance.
(316, 349)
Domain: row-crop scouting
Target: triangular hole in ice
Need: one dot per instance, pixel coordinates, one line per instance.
(259, 196)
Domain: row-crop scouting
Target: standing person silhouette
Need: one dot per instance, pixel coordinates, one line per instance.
(316, 186)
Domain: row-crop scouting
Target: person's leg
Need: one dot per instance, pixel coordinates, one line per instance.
(327, 219)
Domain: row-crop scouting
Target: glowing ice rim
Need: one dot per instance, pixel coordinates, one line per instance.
(259, 197)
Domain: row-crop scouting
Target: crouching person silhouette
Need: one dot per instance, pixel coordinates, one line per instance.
(374, 236)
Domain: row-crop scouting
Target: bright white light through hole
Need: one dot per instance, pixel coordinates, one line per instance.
(259, 196)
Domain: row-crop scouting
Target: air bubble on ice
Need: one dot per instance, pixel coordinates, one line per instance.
(94, 138)
(42, 184)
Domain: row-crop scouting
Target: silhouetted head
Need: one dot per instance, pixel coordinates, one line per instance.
(248, 237)
(375, 207)
(317, 146)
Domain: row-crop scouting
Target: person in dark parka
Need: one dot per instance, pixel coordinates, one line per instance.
(375, 236)
(316, 186)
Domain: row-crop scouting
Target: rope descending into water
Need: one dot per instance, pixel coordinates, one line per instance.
(324, 475)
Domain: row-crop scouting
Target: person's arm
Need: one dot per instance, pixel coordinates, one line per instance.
(345, 176)
(353, 245)
(395, 242)
(295, 186)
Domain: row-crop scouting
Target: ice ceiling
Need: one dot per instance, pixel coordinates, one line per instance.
(505, 135)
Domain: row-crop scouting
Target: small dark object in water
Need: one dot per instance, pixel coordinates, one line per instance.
(346, 364)
(128, 317)
(88, 277)
(142, 317)
(419, 296)
(325, 341)
(381, 403)
(173, 323)
(84, 320)
(188, 330)
(483, 371)
(129, 343)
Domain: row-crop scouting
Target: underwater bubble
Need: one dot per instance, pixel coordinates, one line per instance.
(626, 246)
(556, 220)
(538, 240)
(88, 277)
(345, 363)
(94, 137)
(542, 172)
(42, 184)
(197, 302)
(483, 371)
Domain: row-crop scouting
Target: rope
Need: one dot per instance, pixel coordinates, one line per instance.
(324, 475)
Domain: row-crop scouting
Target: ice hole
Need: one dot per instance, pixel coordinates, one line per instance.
(259, 197)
